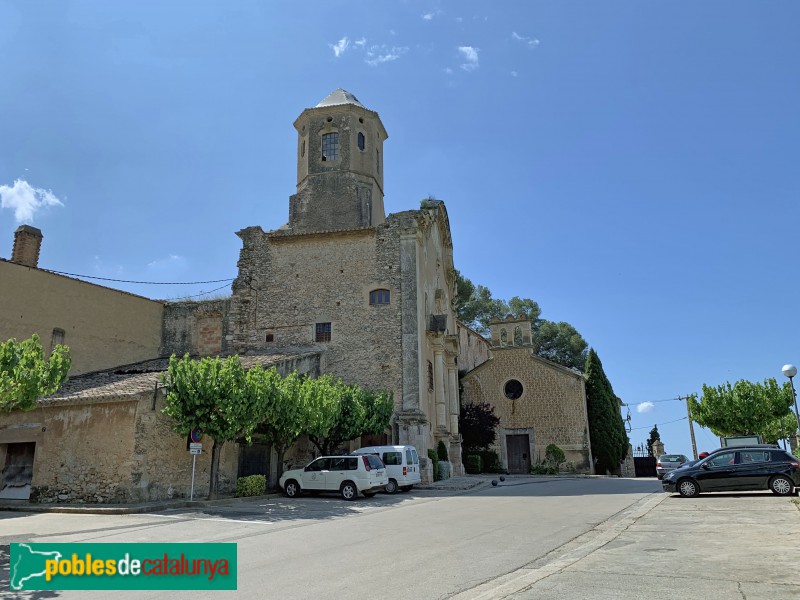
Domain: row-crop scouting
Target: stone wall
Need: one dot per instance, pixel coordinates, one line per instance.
(102, 327)
(552, 404)
(196, 328)
(473, 348)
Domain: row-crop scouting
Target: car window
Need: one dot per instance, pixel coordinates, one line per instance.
(338, 464)
(754, 456)
(723, 459)
(351, 463)
(672, 458)
(393, 458)
(374, 461)
(409, 457)
(414, 454)
(321, 464)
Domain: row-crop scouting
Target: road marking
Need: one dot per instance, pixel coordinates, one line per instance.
(190, 518)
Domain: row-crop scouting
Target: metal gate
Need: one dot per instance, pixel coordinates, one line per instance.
(254, 459)
(644, 464)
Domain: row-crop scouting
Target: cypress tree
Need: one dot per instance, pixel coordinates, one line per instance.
(606, 427)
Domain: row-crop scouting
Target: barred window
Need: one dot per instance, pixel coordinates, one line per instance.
(330, 146)
(323, 332)
(361, 144)
(379, 297)
(430, 376)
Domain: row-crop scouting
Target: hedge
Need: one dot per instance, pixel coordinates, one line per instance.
(252, 485)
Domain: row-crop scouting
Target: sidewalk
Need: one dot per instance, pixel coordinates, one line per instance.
(715, 547)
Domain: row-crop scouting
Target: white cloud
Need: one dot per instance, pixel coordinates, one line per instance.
(340, 47)
(377, 55)
(529, 42)
(168, 262)
(514, 73)
(459, 19)
(360, 43)
(26, 200)
(428, 16)
(470, 54)
(448, 70)
(645, 407)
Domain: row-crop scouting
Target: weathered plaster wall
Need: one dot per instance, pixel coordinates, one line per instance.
(196, 328)
(102, 327)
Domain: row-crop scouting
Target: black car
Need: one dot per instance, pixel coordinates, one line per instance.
(759, 467)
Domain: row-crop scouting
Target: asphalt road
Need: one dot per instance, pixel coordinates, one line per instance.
(425, 544)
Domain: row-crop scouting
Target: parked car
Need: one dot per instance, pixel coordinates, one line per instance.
(347, 475)
(668, 462)
(402, 465)
(760, 467)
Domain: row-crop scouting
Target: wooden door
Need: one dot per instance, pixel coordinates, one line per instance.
(518, 449)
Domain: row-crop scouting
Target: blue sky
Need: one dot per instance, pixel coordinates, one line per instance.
(631, 166)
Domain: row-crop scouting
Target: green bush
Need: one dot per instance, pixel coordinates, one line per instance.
(490, 462)
(544, 469)
(434, 458)
(554, 456)
(441, 451)
(252, 485)
(797, 452)
(569, 467)
(473, 464)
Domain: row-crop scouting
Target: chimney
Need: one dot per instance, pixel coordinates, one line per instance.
(27, 242)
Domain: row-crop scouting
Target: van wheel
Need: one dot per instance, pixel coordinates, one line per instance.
(291, 489)
(391, 487)
(406, 488)
(349, 490)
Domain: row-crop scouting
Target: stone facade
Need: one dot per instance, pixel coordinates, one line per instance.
(102, 327)
(103, 438)
(473, 348)
(548, 405)
(196, 328)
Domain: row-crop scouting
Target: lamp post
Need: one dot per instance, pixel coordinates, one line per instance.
(790, 371)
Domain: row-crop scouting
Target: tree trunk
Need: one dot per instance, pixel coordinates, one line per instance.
(214, 482)
(280, 451)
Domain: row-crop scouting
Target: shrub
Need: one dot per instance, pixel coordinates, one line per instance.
(473, 464)
(441, 451)
(797, 452)
(444, 469)
(252, 485)
(543, 469)
(569, 467)
(434, 458)
(490, 462)
(554, 456)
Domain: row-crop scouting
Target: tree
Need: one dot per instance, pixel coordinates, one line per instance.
(780, 429)
(351, 413)
(26, 375)
(477, 424)
(744, 408)
(475, 306)
(654, 437)
(210, 394)
(560, 343)
(606, 427)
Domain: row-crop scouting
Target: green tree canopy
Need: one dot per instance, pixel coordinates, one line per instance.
(560, 343)
(744, 408)
(26, 375)
(654, 437)
(210, 394)
(606, 427)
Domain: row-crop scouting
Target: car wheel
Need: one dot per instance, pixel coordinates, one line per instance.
(406, 488)
(369, 494)
(391, 487)
(291, 489)
(781, 485)
(349, 490)
(688, 488)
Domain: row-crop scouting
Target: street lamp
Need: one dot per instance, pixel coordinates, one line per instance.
(790, 371)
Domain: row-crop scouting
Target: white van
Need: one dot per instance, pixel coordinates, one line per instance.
(402, 465)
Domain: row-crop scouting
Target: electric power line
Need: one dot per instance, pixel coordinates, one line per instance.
(143, 282)
(200, 294)
(659, 424)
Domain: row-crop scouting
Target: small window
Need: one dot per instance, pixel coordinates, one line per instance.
(513, 389)
(430, 376)
(378, 161)
(270, 337)
(379, 297)
(330, 146)
(57, 338)
(303, 149)
(323, 332)
(361, 143)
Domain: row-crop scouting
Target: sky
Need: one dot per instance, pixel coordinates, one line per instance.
(630, 165)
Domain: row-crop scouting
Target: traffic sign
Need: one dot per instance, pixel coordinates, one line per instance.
(196, 450)
(195, 446)
(196, 435)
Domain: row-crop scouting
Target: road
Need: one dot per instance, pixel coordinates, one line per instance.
(425, 544)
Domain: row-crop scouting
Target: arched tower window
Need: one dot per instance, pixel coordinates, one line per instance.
(361, 141)
(330, 146)
(379, 297)
(503, 337)
(518, 336)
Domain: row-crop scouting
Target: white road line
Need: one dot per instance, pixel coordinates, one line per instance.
(189, 518)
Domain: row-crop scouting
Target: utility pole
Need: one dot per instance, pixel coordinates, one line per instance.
(691, 427)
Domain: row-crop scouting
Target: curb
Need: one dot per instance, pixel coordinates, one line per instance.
(127, 509)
